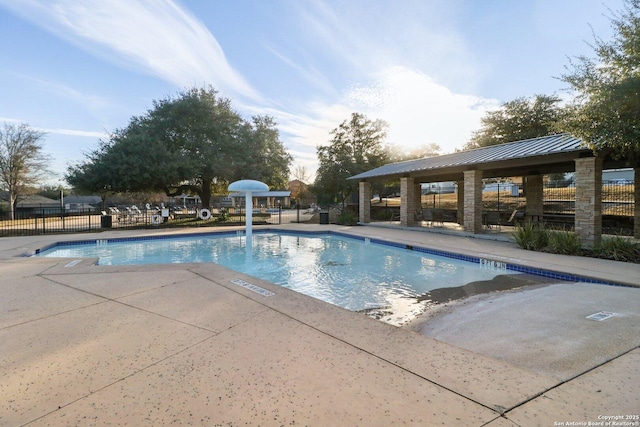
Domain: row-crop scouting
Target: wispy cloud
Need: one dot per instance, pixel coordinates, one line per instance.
(333, 34)
(92, 103)
(74, 132)
(310, 73)
(418, 110)
(67, 132)
(10, 120)
(400, 62)
(365, 37)
(156, 36)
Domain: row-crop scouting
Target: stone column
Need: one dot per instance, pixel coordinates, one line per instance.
(460, 214)
(589, 200)
(535, 197)
(473, 201)
(636, 198)
(407, 202)
(364, 202)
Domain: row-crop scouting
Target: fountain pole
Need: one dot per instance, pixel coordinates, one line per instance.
(248, 220)
(248, 186)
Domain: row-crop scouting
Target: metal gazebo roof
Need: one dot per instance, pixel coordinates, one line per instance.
(504, 159)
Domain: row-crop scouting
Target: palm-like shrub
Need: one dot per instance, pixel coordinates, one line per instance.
(618, 248)
(531, 236)
(563, 242)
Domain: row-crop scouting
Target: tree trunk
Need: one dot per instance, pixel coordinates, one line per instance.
(205, 195)
(13, 199)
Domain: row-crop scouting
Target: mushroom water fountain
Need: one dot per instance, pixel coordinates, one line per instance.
(248, 186)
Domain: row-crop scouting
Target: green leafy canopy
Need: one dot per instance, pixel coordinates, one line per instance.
(356, 147)
(606, 110)
(191, 143)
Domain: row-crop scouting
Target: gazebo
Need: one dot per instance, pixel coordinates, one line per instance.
(531, 159)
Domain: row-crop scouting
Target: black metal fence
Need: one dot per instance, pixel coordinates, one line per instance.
(504, 198)
(48, 220)
(617, 198)
(560, 198)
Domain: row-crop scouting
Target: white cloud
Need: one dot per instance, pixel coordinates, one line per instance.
(10, 120)
(92, 103)
(404, 62)
(75, 132)
(418, 110)
(161, 38)
(309, 73)
(156, 36)
(66, 132)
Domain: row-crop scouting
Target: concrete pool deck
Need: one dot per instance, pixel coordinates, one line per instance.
(160, 344)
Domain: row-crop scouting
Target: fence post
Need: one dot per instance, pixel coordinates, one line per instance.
(43, 223)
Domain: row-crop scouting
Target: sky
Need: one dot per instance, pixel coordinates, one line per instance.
(80, 69)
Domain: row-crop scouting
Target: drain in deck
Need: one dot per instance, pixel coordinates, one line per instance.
(601, 315)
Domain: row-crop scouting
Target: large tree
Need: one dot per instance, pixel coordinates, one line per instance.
(356, 147)
(22, 160)
(124, 164)
(606, 109)
(522, 118)
(194, 143)
(267, 159)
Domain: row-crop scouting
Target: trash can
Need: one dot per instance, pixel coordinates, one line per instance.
(324, 217)
(106, 221)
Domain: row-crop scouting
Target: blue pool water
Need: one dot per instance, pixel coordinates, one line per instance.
(352, 273)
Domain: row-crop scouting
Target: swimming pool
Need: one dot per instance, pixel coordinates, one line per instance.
(358, 274)
(353, 273)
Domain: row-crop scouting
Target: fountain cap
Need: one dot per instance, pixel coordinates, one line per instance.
(248, 185)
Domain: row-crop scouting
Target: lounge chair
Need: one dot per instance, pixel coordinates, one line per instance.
(432, 216)
(492, 219)
(438, 216)
(516, 217)
(427, 216)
